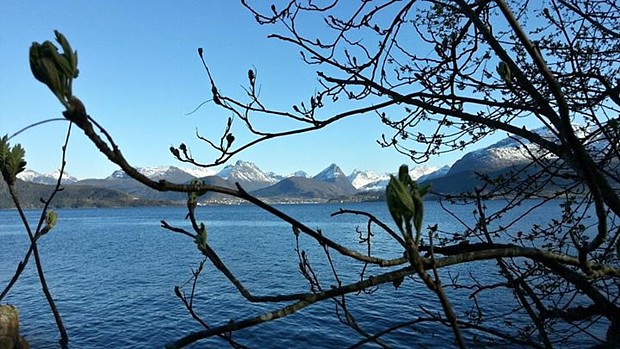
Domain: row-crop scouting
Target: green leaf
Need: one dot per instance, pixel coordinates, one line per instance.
(4, 148)
(68, 53)
(34, 57)
(11, 160)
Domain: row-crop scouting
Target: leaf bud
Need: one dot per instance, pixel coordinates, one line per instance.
(230, 138)
(50, 219)
(399, 201)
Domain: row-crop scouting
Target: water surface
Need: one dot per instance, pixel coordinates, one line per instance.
(113, 271)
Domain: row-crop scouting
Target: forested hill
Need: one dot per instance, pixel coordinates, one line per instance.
(30, 195)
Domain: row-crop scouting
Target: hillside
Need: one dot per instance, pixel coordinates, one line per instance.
(71, 196)
(301, 188)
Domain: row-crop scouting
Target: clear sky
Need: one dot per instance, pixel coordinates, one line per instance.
(140, 76)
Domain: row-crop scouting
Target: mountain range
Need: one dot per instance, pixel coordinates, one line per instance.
(330, 184)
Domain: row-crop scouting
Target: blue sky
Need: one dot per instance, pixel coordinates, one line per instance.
(140, 76)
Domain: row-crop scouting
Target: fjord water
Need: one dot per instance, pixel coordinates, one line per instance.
(113, 271)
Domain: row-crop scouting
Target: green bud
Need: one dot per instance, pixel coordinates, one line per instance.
(230, 138)
(51, 218)
(403, 175)
(54, 69)
(201, 237)
(404, 198)
(251, 76)
(504, 72)
(399, 201)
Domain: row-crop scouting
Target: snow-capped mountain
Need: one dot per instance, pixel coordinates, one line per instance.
(510, 151)
(360, 178)
(49, 179)
(299, 173)
(169, 173)
(382, 180)
(247, 174)
(28, 175)
(199, 172)
(333, 174)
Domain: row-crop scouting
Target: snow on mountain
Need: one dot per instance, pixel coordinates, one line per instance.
(243, 170)
(118, 174)
(157, 171)
(510, 151)
(515, 150)
(170, 173)
(66, 177)
(420, 171)
(28, 175)
(299, 173)
(277, 177)
(380, 183)
(333, 174)
(329, 174)
(435, 174)
(50, 179)
(247, 174)
(199, 172)
(360, 178)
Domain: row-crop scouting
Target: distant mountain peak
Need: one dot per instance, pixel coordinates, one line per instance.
(248, 175)
(330, 173)
(299, 173)
(333, 174)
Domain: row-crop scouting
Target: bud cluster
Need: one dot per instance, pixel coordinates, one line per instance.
(56, 70)
(404, 200)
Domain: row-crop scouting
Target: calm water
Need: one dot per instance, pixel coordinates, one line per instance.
(113, 271)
